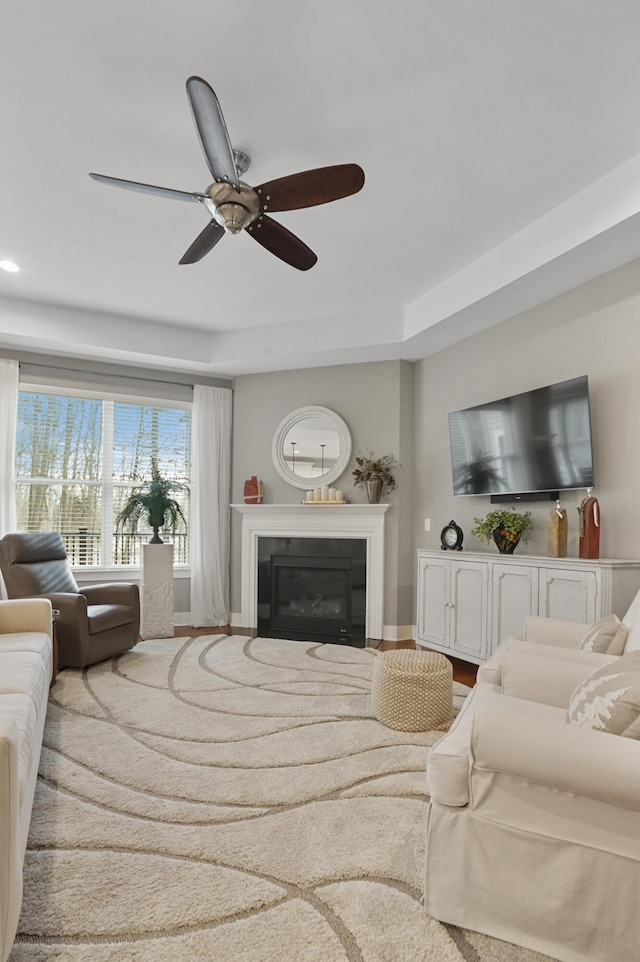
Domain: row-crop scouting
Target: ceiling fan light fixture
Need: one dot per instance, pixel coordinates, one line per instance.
(233, 217)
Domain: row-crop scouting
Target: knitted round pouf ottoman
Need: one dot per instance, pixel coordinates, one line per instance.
(412, 691)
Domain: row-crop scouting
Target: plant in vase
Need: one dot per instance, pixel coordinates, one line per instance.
(506, 528)
(153, 499)
(375, 474)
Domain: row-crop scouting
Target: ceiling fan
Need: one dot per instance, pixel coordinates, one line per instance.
(236, 206)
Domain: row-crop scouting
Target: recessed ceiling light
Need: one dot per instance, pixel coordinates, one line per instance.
(10, 266)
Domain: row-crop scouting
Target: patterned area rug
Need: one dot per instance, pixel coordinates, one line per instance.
(228, 799)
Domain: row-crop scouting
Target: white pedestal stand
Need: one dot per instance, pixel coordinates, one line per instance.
(156, 596)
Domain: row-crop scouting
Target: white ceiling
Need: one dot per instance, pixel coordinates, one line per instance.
(500, 141)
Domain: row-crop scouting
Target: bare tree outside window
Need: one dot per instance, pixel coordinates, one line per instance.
(77, 460)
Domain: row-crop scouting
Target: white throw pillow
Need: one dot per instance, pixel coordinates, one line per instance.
(607, 636)
(609, 699)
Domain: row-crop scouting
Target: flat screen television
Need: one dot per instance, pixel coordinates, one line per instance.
(538, 441)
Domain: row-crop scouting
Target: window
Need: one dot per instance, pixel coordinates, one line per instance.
(77, 460)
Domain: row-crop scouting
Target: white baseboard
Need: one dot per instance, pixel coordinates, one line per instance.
(236, 620)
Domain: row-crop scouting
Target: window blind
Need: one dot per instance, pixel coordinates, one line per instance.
(77, 460)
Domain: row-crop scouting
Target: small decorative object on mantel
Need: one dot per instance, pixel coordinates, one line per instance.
(324, 495)
(374, 474)
(451, 537)
(253, 491)
(153, 498)
(589, 527)
(506, 528)
(558, 532)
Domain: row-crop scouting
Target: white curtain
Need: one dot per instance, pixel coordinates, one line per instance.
(210, 500)
(9, 377)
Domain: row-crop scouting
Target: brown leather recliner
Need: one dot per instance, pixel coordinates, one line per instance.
(95, 622)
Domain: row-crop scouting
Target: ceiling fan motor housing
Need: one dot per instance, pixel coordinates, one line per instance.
(234, 210)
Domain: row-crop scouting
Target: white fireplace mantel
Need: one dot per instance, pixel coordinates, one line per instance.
(364, 521)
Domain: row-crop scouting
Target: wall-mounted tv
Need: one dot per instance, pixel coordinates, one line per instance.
(538, 441)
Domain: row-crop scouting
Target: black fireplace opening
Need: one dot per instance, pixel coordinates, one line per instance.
(312, 589)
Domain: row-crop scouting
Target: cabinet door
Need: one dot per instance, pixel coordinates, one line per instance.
(467, 604)
(568, 594)
(514, 596)
(432, 598)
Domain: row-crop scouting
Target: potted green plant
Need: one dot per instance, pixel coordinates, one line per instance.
(507, 528)
(375, 474)
(153, 498)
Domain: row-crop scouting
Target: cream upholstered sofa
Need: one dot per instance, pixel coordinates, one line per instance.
(533, 832)
(561, 639)
(26, 662)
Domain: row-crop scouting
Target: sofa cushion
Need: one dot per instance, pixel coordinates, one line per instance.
(22, 709)
(609, 699)
(104, 617)
(25, 672)
(35, 641)
(608, 636)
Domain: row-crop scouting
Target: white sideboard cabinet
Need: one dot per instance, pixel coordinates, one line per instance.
(470, 602)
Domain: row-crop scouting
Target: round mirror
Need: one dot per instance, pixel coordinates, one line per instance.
(311, 447)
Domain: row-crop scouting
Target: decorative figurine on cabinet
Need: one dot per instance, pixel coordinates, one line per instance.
(589, 531)
(558, 532)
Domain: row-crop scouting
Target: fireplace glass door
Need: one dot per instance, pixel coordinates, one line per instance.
(312, 594)
(317, 594)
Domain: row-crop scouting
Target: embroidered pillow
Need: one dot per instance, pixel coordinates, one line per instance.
(607, 636)
(609, 699)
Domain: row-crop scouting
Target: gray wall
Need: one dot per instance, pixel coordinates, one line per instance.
(399, 408)
(375, 400)
(594, 330)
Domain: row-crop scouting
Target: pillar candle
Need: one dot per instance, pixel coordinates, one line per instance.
(332, 494)
(325, 493)
(339, 495)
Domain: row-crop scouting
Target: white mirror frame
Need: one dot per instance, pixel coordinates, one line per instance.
(336, 424)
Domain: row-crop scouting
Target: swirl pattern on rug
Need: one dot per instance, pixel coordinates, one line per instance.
(225, 798)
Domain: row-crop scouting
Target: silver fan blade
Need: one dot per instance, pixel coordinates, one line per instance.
(203, 243)
(149, 188)
(212, 131)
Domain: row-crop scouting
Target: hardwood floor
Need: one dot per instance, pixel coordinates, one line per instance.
(463, 671)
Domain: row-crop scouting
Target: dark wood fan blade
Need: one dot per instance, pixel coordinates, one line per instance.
(149, 188)
(204, 242)
(311, 187)
(212, 130)
(281, 242)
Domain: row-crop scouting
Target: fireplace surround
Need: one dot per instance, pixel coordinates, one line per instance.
(350, 521)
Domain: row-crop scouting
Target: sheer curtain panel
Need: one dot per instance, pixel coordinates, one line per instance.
(210, 500)
(9, 378)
